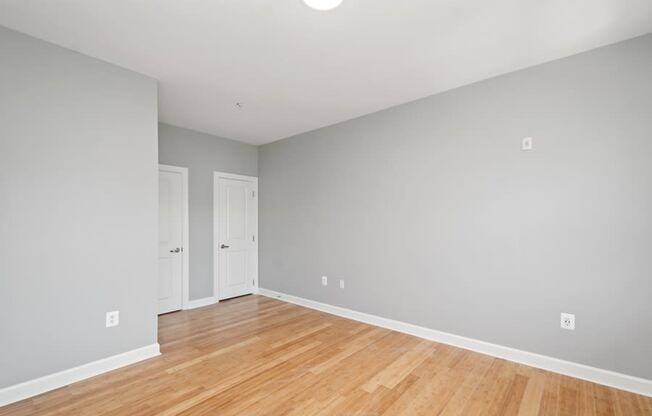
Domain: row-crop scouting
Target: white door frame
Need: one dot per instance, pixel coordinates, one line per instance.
(185, 275)
(216, 206)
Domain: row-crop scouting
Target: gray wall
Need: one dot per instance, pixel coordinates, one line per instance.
(433, 215)
(203, 154)
(78, 225)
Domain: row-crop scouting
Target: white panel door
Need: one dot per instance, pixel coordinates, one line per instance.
(236, 246)
(170, 244)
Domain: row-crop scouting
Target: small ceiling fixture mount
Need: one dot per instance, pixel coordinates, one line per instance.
(322, 4)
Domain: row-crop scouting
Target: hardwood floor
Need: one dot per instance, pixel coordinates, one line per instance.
(259, 356)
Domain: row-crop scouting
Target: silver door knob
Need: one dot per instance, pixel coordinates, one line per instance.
(224, 246)
(176, 250)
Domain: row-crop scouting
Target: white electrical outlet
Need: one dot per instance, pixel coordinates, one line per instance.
(568, 321)
(341, 284)
(324, 281)
(527, 143)
(112, 319)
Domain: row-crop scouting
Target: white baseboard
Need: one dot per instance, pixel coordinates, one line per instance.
(44, 384)
(200, 303)
(581, 371)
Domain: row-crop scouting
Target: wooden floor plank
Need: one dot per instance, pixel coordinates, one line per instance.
(258, 356)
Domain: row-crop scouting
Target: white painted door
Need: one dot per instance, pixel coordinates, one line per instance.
(170, 244)
(237, 229)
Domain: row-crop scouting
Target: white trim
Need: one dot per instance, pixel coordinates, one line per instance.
(200, 303)
(581, 371)
(216, 176)
(185, 294)
(44, 384)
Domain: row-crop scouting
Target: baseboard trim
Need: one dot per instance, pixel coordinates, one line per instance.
(581, 371)
(63, 378)
(200, 303)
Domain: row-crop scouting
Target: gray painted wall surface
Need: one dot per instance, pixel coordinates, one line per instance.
(203, 154)
(78, 203)
(433, 215)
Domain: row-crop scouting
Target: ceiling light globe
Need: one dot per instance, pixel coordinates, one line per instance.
(322, 4)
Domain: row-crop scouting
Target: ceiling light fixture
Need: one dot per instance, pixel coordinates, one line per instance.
(322, 4)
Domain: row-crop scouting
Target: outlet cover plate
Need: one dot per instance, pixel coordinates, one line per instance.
(568, 321)
(112, 319)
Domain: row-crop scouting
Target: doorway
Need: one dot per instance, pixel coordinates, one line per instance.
(173, 238)
(235, 229)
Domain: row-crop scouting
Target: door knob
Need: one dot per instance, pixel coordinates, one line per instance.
(176, 250)
(224, 246)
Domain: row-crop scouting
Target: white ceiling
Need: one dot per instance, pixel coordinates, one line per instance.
(296, 69)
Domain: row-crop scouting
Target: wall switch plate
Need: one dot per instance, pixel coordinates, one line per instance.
(341, 284)
(527, 143)
(568, 321)
(112, 319)
(324, 281)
